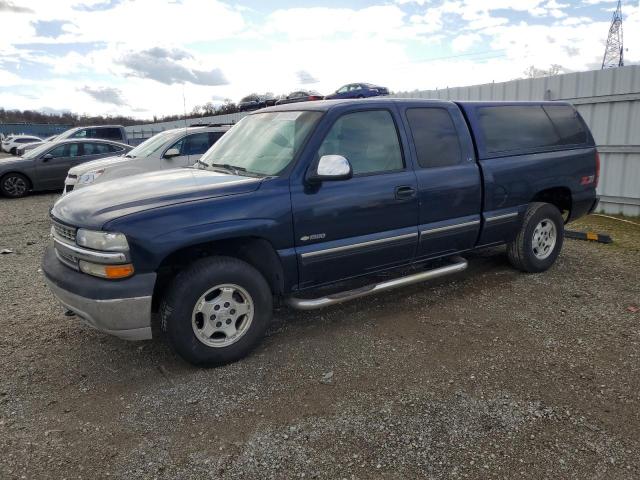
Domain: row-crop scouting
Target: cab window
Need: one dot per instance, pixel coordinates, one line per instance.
(369, 140)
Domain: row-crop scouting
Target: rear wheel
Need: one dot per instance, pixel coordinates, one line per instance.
(13, 151)
(217, 311)
(14, 185)
(539, 241)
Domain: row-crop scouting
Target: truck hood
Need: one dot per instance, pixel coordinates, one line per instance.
(97, 164)
(98, 204)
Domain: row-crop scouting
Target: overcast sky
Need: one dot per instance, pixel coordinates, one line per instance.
(135, 57)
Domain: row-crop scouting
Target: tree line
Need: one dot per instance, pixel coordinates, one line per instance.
(74, 119)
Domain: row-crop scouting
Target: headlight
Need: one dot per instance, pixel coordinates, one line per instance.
(105, 241)
(90, 177)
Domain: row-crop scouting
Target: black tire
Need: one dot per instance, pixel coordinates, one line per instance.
(13, 151)
(15, 185)
(521, 251)
(177, 309)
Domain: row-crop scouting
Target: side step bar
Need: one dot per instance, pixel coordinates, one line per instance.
(459, 264)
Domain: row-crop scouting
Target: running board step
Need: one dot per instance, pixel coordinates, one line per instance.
(459, 264)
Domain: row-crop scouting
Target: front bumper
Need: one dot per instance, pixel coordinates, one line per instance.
(121, 308)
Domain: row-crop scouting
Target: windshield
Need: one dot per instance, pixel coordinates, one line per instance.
(34, 152)
(150, 145)
(262, 144)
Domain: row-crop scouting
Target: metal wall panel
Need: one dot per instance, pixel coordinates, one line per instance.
(608, 100)
(139, 133)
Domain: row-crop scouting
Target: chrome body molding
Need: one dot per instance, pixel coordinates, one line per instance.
(459, 264)
(504, 216)
(127, 318)
(449, 227)
(354, 246)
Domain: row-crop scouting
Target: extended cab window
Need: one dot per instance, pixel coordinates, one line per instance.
(435, 137)
(109, 133)
(516, 127)
(369, 141)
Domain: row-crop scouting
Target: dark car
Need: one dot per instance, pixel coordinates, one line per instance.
(302, 203)
(254, 102)
(45, 167)
(300, 96)
(358, 90)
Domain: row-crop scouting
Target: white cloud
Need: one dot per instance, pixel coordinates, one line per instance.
(287, 48)
(464, 42)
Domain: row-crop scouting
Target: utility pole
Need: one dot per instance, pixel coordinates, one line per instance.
(614, 51)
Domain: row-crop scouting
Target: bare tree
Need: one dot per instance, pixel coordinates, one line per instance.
(534, 72)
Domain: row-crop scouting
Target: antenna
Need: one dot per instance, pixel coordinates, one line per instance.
(614, 51)
(184, 106)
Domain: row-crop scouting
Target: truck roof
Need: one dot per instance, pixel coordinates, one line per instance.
(325, 105)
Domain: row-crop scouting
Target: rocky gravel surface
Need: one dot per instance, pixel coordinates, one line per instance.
(487, 374)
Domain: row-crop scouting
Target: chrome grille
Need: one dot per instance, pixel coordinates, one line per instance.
(64, 233)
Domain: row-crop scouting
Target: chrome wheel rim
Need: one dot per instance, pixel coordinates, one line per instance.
(15, 186)
(544, 239)
(222, 315)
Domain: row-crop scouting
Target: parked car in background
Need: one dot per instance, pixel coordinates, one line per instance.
(30, 146)
(180, 147)
(115, 133)
(12, 142)
(358, 90)
(298, 201)
(46, 167)
(254, 102)
(300, 96)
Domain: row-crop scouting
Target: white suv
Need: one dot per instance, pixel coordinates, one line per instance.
(180, 147)
(12, 142)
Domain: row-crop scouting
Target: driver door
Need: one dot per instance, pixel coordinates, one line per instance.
(53, 169)
(347, 228)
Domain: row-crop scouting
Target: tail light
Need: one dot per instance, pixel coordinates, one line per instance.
(595, 182)
(314, 97)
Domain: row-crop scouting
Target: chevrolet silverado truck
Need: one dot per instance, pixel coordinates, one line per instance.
(306, 204)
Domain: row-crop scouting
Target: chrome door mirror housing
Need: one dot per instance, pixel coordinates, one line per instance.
(172, 152)
(331, 167)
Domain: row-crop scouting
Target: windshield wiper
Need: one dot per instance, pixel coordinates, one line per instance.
(228, 166)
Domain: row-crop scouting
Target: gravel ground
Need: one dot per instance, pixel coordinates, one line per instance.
(487, 374)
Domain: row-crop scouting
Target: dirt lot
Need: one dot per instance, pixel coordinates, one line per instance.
(488, 374)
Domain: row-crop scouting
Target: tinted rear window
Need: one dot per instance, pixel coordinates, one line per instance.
(525, 127)
(434, 136)
(568, 125)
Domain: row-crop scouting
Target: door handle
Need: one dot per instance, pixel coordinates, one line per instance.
(405, 192)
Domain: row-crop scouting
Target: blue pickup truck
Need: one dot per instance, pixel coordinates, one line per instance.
(298, 200)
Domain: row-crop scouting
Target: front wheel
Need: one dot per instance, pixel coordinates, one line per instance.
(14, 185)
(216, 311)
(539, 240)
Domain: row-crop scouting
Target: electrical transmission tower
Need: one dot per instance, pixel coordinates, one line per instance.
(614, 53)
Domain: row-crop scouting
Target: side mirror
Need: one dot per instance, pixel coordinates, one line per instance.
(172, 152)
(331, 167)
(47, 157)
